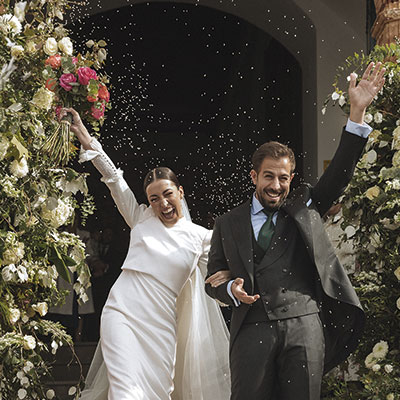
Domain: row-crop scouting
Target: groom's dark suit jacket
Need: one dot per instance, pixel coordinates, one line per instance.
(340, 309)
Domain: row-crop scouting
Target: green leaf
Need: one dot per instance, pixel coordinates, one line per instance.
(62, 262)
(21, 149)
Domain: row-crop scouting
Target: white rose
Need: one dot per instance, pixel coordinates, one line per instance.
(19, 169)
(28, 366)
(8, 273)
(397, 273)
(372, 192)
(14, 315)
(65, 45)
(41, 308)
(388, 368)
(396, 139)
(370, 360)
(376, 367)
(398, 303)
(43, 98)
(24, 381)
(371, 157)
(22, 394)
(29, 342)
(71, 390)
(50, 394)
(17, 51)
(368, 118)
(350, 231)
(13, 254)
(335, 96)
(22, 274)
(396, 159)
(50, 47)
(380, 350)
(19, 10)
(378, 117)
(390, 396)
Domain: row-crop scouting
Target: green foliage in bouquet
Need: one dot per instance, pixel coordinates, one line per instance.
(38, 74)
(371, 220)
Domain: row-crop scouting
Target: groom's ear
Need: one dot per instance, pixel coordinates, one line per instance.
(253, 175)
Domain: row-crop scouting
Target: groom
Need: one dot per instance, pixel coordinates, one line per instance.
(295, 313)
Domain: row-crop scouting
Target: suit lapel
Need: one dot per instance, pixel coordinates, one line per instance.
(306, 218)
(242, 235)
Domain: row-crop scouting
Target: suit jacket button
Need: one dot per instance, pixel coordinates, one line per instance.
(263, 293)
(284, 309)
(284, 290)
(284, 270)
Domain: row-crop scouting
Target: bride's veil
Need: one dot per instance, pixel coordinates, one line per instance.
(202, 355)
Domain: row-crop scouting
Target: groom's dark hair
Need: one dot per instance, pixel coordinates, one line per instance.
(160, 173)
(274, 150)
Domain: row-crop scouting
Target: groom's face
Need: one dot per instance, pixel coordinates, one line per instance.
(272, 182)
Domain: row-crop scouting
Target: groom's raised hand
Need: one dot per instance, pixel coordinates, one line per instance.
(361, 95)
(240, 293)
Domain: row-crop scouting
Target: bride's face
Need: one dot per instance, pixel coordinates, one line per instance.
(165, 199)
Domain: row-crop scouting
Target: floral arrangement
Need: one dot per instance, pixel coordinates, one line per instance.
(39, 73)
(371, 219)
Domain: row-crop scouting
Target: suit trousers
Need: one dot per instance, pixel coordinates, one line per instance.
(278, 360)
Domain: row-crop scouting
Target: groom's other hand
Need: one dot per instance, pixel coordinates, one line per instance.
(219, 278)
(240, 293)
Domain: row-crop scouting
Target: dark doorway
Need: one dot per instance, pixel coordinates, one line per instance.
(196, 90)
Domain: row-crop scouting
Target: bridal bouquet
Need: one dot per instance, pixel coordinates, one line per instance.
(72, 81)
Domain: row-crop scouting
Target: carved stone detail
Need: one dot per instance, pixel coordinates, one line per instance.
(387, 24)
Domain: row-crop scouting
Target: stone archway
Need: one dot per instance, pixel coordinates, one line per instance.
(287, 23)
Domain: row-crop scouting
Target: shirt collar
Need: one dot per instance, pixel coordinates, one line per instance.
(256, 206)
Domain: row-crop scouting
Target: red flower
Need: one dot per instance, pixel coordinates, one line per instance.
(65, 80)
(97, 113)
(104, 94)
(85, 74)
(51, 84)
(92, 99)
(54, 61)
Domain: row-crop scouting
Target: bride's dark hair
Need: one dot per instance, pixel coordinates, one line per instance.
(160, 173)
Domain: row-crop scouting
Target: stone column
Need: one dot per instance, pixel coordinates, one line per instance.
(387, 24)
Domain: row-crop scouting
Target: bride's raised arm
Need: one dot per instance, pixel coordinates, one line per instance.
(92, 151)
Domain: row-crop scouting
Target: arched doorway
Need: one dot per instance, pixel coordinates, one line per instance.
(196, 89)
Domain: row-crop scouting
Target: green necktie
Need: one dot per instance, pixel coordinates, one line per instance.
(266, 231)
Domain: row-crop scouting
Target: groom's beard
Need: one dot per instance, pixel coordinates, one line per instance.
(270, 204)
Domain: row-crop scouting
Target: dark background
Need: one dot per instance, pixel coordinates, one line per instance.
(196, 90)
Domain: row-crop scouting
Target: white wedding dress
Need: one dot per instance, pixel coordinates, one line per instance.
(161, 337)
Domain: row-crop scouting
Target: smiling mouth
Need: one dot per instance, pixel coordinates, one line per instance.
(168, 214)
(273, 196)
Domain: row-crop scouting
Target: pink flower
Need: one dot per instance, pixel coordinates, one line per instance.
(97, 113)
(65, 80)
(85, 74)
(74, 60)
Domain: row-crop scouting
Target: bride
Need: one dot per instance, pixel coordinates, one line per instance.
(161, 336)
